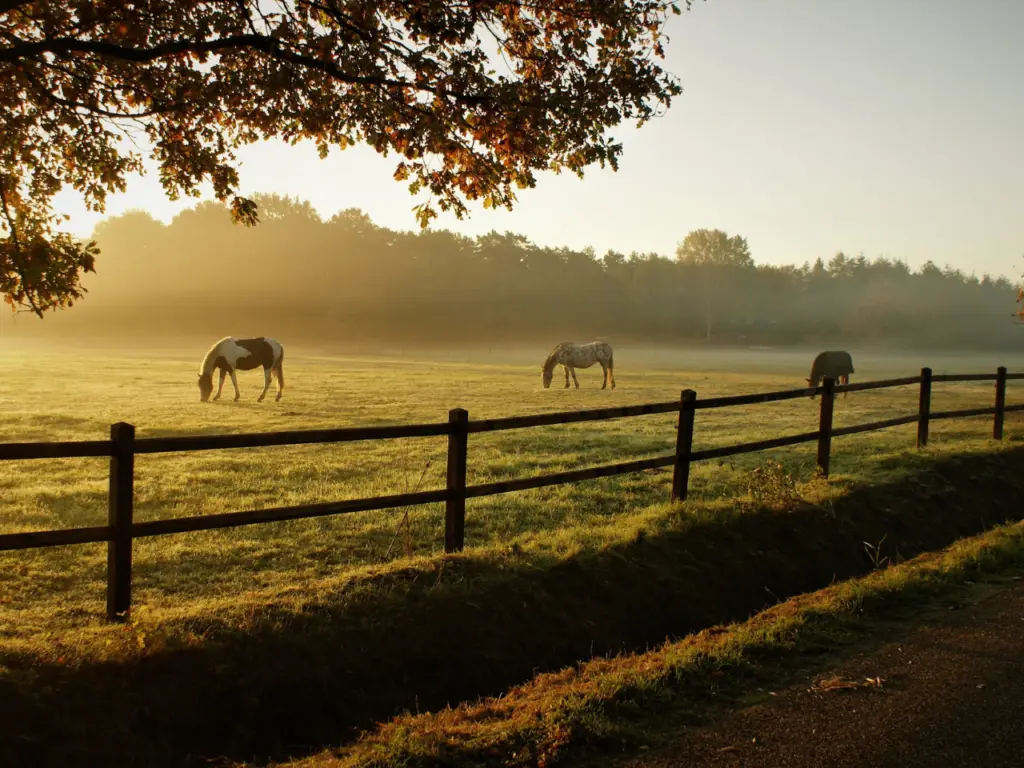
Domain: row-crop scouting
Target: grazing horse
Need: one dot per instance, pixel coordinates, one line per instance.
(231, 354)
(836, 365)
(571, 356)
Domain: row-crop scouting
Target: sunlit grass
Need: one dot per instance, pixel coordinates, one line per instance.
(75, 394)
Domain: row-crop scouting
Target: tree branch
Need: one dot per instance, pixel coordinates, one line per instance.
(342, 19)
(98, 110)
(19, 265)
(260, 43)
(6, 6)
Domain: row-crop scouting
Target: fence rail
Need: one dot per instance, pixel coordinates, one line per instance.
(75, 449)
(570, 417)
(123, 447)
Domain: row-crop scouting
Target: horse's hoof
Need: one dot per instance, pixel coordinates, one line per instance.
(259, 399)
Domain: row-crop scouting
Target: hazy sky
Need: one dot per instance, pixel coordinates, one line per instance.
(891, 127)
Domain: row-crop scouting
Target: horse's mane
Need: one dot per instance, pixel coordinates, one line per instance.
(553, 357)
(211, 353)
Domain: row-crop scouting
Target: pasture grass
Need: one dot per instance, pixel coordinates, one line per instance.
(64, 395)
(252, 615)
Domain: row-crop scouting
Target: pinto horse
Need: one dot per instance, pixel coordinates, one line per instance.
(231, 354)
(571, 356)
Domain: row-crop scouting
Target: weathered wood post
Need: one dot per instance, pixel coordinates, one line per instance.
(119, 517)
(825, 425)
(924, 407)
(684, 444)
(997, 426)
(455, 503)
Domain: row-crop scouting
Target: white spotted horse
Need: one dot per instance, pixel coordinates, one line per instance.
(230, 354)
(571, 356)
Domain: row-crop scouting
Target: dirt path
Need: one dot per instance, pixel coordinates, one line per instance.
(950, 694)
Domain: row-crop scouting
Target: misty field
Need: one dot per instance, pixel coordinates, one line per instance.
(51, 393)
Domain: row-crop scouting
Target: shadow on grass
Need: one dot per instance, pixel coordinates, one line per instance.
(423, 638)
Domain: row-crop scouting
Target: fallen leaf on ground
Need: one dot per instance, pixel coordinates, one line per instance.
(839, 684)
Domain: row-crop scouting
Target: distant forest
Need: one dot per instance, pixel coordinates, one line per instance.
(299, 277)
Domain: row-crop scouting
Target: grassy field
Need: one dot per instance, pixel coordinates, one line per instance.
(50, 393)
(278, 618)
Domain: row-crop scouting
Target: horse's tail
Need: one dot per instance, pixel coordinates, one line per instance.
(279, 369)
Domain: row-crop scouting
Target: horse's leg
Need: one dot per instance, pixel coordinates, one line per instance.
(279, 370)
(234, 381)
(266, 385)
(574, 379)
(604, 376)
(220, 386)
(566, 369)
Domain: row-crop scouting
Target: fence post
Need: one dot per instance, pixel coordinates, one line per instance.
(997, 426)
(455, 503)
(119, 518)
(924, 407)
(684, 444)
(825, 425)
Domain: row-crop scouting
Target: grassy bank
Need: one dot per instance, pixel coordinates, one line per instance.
(612, 703)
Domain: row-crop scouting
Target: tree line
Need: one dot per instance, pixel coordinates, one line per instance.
(342, 279)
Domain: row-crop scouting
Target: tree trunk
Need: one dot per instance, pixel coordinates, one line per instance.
(707, 310)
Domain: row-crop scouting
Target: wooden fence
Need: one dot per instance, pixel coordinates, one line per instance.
(123, 447)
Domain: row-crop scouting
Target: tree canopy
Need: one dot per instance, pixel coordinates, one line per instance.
(717, 255)
(475, 97)
(714, 247)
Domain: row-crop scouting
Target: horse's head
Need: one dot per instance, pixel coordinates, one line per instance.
(205, 386)
(547, 374)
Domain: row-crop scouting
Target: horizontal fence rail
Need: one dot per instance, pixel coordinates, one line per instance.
(767, 397)
(123, 446)
(36, 539)
(295, 437)
(572, 476)
(280, 514)
(75, 449)
(759, 445)
(947, 377)
(873, 426)
(569, 417)
(962, 413)
(880, 384)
